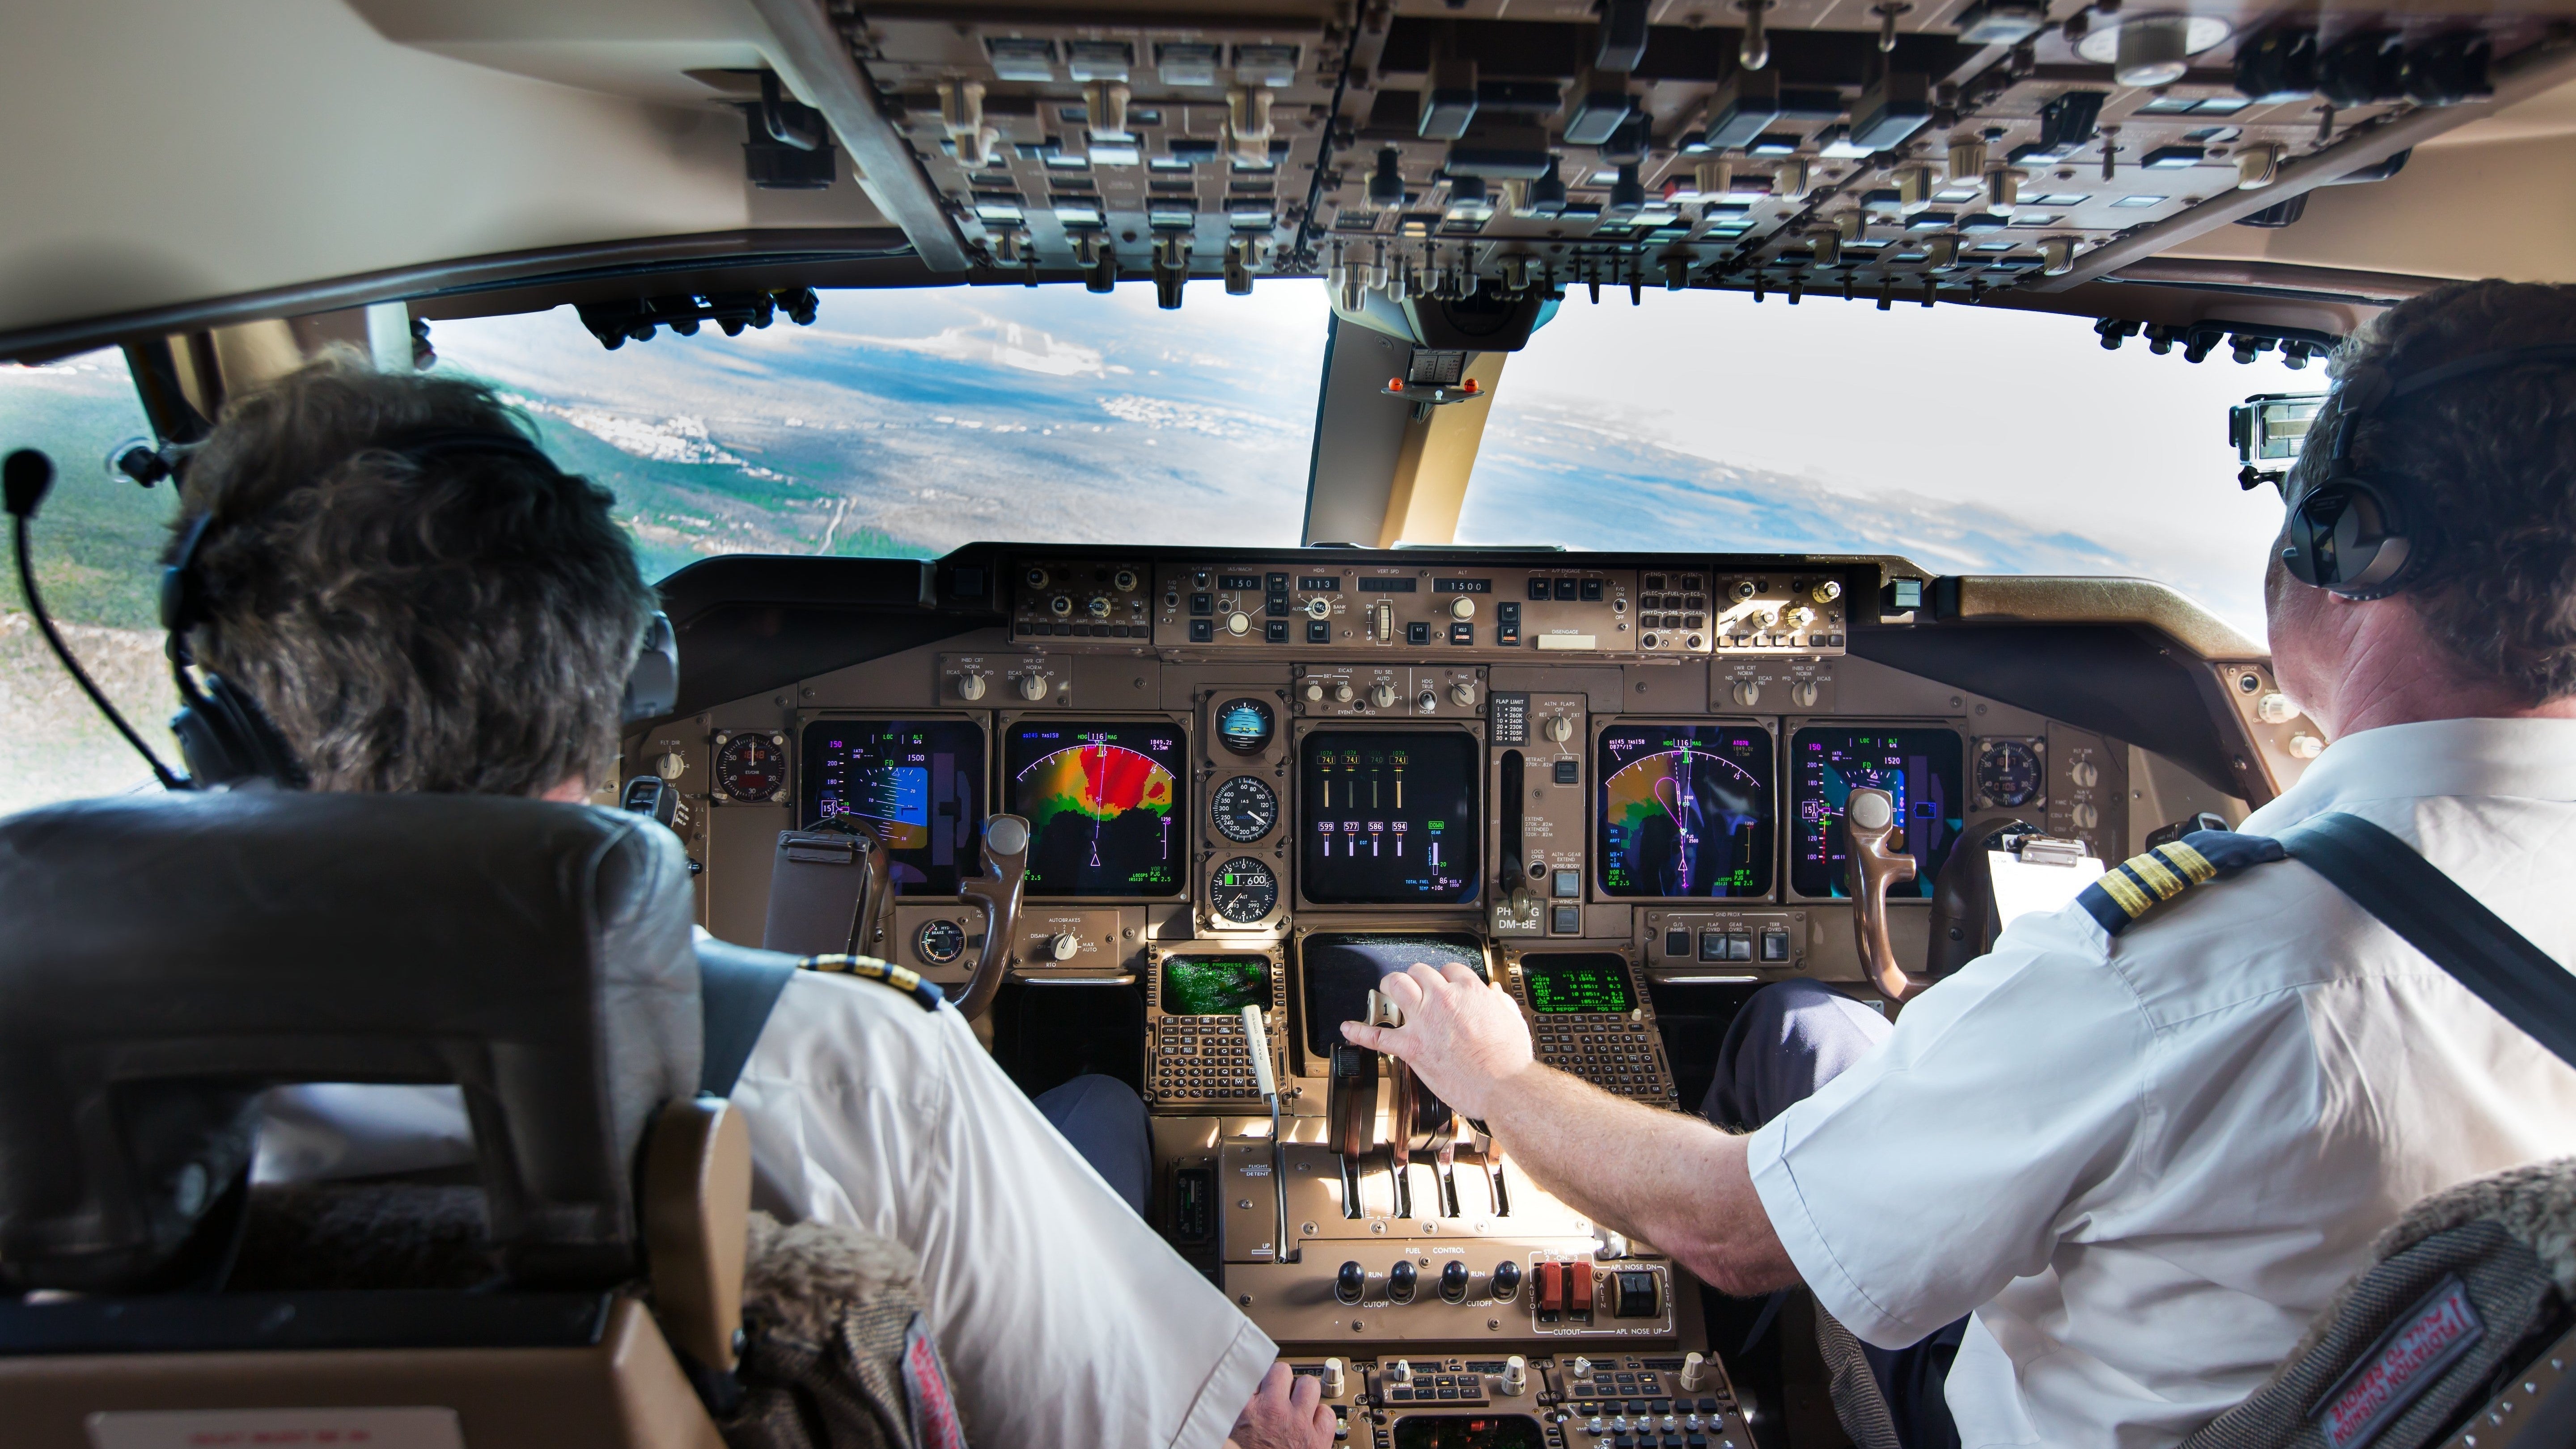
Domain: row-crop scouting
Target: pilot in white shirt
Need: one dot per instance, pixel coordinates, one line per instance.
(2146, 1162)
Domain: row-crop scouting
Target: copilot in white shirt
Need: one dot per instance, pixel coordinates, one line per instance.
(2146, 1163)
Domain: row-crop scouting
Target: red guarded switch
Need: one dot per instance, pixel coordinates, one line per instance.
(1578, 1287)
(1551, 1287)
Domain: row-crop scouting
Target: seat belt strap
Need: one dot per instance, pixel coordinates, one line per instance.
(2429, 911)
(737, 989)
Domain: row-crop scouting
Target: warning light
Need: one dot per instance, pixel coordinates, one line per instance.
(1395, 384)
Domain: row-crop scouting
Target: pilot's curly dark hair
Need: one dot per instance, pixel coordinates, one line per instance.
(2487, 470)
(462, 624)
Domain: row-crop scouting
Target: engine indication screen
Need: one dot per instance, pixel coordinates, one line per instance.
(1684, 811)
(1588, 981)
(918, 783)
(1920, 767)
(1103, 802)
(1215, 985)
(1388, 819)
(1342, 967)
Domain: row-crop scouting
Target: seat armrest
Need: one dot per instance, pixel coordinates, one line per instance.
(697, 1207)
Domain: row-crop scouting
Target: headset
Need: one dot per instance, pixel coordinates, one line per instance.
(2351, 535)
(224, 735)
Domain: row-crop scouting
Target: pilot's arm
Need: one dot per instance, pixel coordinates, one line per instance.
(1907, 1191)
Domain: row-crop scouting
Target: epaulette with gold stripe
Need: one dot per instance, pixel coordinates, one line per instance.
(2130, 889)
(869, 968)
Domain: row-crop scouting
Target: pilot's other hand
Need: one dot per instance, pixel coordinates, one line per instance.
(1460, 1034)
(1286, 1412)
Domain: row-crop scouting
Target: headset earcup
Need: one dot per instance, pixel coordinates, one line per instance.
(227, 739)
(2350, 538)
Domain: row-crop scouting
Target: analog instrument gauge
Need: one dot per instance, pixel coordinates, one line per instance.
(751, 768)
(939, 942)
(1246, 809)
(1243, 891)
(1244, 725)
(2009, 773)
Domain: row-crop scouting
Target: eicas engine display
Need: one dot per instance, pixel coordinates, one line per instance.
(1389, 818)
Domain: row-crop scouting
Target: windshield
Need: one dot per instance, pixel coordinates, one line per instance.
(910, 422)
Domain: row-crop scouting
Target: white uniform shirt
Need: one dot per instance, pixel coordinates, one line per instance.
(2147, 1162)
(1064, 1318)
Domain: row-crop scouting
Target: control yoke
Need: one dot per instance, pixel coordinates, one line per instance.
(997, 892)
(1877, 861)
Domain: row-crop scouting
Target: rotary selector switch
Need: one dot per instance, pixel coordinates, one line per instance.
(970, 686)
(1382, 695)
(1064, 947)
(1558, 729)
(1033, 686)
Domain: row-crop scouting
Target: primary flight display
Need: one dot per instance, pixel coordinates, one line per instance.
(1103, 802)
(1684, 811)
(1920, 767)
(918, 784)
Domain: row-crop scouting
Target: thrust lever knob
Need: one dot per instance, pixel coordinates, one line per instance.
(1350, 1282)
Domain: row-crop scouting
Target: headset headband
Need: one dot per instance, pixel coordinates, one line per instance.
(2370, 388)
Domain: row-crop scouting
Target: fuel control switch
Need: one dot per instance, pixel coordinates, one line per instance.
(1350, 1283)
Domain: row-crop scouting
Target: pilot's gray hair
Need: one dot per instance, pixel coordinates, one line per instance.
(2486, 470)
(462, 623)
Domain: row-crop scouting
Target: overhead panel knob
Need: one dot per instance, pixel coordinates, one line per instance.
(1462, 607)
(970, 686)
(1033, 686)
(1382, 695)
(1558, 729)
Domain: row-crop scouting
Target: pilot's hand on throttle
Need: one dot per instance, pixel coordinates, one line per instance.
(1460, 1034)
(1287, 1412)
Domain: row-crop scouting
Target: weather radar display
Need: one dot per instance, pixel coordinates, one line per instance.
(1103, 802)
(1685, 811)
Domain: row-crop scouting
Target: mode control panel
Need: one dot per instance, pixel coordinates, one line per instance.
(1476, 610)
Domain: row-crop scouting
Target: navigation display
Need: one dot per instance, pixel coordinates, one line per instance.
(1387, 819)
(919, 784)
(1342, 967)
(1587, 981)
(1920, 767)
(1104, 806)
(1684, 811)
(1215, 985)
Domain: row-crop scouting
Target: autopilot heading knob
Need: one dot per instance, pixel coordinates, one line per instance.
(1401, 1280)
(1453, 1281)
(1350, 1282)
(1319, 607)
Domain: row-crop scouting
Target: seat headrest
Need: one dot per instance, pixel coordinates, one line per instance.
(168, 958)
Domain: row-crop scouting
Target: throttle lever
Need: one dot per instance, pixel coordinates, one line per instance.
(997, 891)
(1869, 825)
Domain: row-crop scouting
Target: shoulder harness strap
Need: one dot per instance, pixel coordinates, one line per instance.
(2129, 890)
(869, 968)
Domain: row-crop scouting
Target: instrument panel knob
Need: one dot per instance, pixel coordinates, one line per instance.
(1382, 695)
(1826, 591)
(1238, 623)
(1099, 606)
(1336, 1382)
(1558, 729)
(1315, 691)
(1400, 1371)
(2276, 708)
(1427, 701)
(1350, 1282)
(970, 686)
(2085, 774)
(1694, 1371)
(1746, 692)
(1462, 607)
(1319, 607)
(1516, 1375)
(1033, 686)
(1342, 692)
(1065, 946)
(2084, 816)
(1803, 694)
(1463, 695)
(2306, 746)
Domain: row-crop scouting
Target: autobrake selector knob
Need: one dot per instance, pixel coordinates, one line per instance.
(1350, 1283)
(1453, 1281)
(1507, 1280)
(1400, 1282)
(1033, 686)
(1065, 946)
